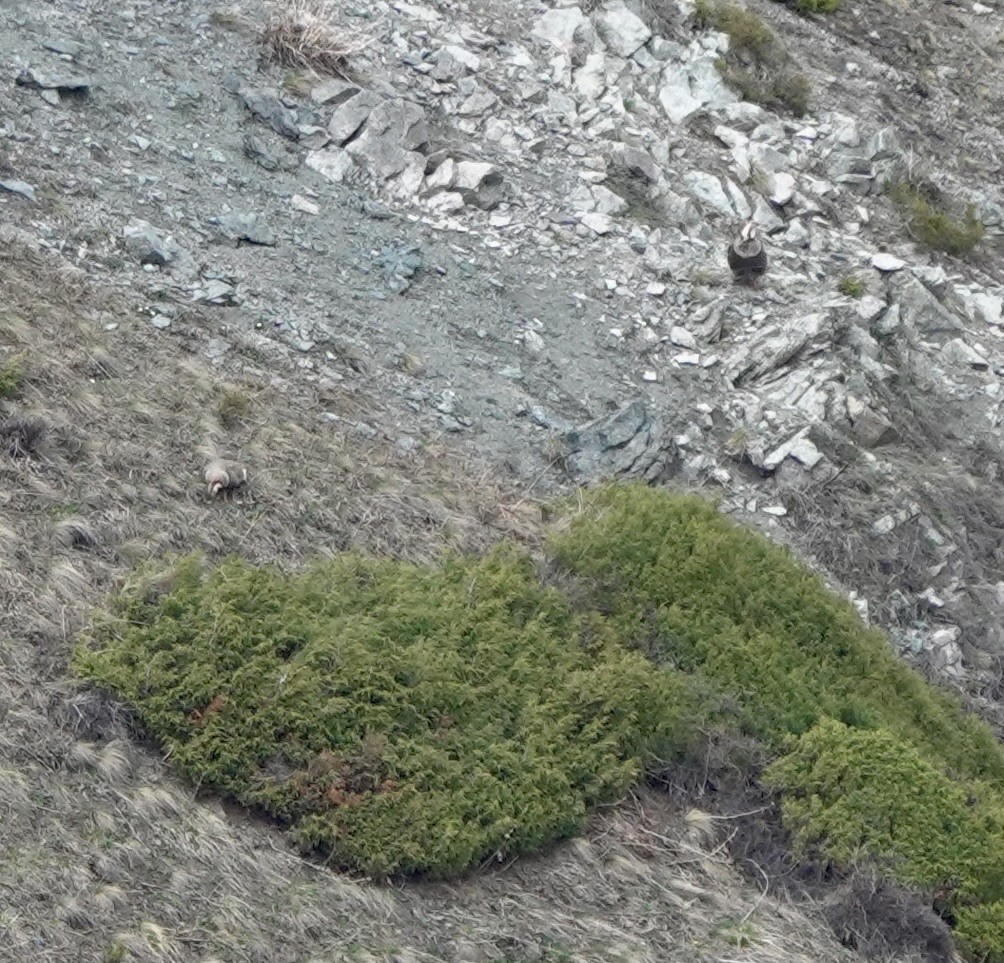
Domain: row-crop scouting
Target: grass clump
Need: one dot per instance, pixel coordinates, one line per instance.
(233, 406)
(756, 65)
(851, 286)
(931, 222)
(11, 376)
(402, 719)
(306, 35)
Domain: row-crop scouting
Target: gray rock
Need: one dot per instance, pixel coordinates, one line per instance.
(389, 140)
(884, 144)
(64, 83)
(453, 62)
(924, 312)
(270, 110)
(333, 92)
(708, 190)
(19, 187)
(146, 244)
(350, 115)
(636, 161)
(256, 151)
(629, 442)
(621, 31)
(776, 347)
(869, 427)
(958, 352)
(399, 264)
(249, 228)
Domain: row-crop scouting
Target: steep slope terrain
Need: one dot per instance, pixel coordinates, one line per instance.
(402, 297)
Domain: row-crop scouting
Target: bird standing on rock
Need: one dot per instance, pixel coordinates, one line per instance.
(747, 255)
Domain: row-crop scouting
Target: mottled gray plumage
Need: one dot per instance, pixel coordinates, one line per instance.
(747, 255)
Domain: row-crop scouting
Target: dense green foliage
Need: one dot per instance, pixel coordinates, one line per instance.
(980, 929)
(695, 591)
(851, 793)
(932, 224)
(406, 719)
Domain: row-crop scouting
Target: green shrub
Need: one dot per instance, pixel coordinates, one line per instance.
(11, 376)
(697, 592)
(403, 719)
(980, 932)
(930, 221)
(851, 286)
(856, 793)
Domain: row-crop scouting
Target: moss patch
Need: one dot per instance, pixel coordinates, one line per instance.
(403, 719)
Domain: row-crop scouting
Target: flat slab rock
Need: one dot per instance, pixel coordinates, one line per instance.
(630, 443)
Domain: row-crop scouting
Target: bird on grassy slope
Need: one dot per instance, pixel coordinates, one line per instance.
(224, 476)
(747, 255)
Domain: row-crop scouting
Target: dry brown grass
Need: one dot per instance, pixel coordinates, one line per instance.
(307, 35)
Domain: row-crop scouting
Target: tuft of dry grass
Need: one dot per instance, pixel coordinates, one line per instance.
(306, 35)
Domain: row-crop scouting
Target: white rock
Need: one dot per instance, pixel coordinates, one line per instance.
(446, 201)
(656, 289)
(805, 452)
(590, 80)
(303, 204)
(650, 376)
(884, 261)
(621, 30)
(782, 188)
(981, 9)
(729, 137)
(870, 307)
(687, 358)
(443, 176)
(331, 162)
(983, 306)
(533, 342)
(607, 202)
(471, 174)
(682, 337)
(563, 28)
(598, 223)
(778, 511)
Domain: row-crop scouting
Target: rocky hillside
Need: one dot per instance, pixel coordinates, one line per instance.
(482, 262)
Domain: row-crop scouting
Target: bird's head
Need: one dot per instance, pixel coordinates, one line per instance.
(749, 233)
